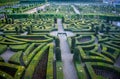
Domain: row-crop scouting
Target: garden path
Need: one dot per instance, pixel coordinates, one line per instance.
(67, 58)
(35, 9)
(7, 55)
(75, 9)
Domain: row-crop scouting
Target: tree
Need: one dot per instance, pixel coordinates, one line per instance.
(58, 54)
(96, 30)
(21, 30)
(55, 20)
(12, 20)
(102, 27)
(76, 55)
(92, 27)
(62, 19)
(107, 29)
(29, 30)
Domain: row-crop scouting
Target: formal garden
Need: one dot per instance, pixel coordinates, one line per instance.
(59, 41)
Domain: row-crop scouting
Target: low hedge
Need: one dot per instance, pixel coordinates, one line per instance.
(80, 71)
(7, 41)
(16, 48)
(49, 73)
(3, 48)
(89, 58)
(112, 45)
(29, 41)
(18, 74)
(1, 59)
(102, 65)
(112, 55)
(103, 39)
(34, 62)
(59, 69)
(91, 72)
(1, 38)
(87, 42)
(90, 47)
(29, 57)
(15, 59)
(26, 53)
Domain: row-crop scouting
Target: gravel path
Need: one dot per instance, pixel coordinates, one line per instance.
(75, 9)
(37, 8)
(117, 63)
(67, 58)
(7, 54)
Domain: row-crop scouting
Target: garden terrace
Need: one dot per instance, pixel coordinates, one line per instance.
(59, 41)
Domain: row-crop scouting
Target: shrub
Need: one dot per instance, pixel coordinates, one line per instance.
(3, 48)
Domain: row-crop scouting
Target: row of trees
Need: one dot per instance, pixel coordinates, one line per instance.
(6, 1)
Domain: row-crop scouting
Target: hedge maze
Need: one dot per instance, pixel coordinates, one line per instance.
(28, 51)
(95, 50)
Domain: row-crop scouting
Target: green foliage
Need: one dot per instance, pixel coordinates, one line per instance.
(15, 59)
(16, 48)
(33, 64)
(49, 73)
(58, 54)
(18, 70)
(3, 48)
(59, 68)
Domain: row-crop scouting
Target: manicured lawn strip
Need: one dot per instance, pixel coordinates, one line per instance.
(59, 67)
(15, 59)
(49, 74)
(31, 68)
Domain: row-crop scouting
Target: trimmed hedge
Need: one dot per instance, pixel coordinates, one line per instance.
(49, 73)
(88, 58)
(59, 67)
(29, 41)
(32, 54)
(17, 75)
(16, 48)
(34, 62)
(91, 41)
(104, 66)
(80, 71)
(26, 53)
(1, 59)
(15, 59)
(3, 48)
